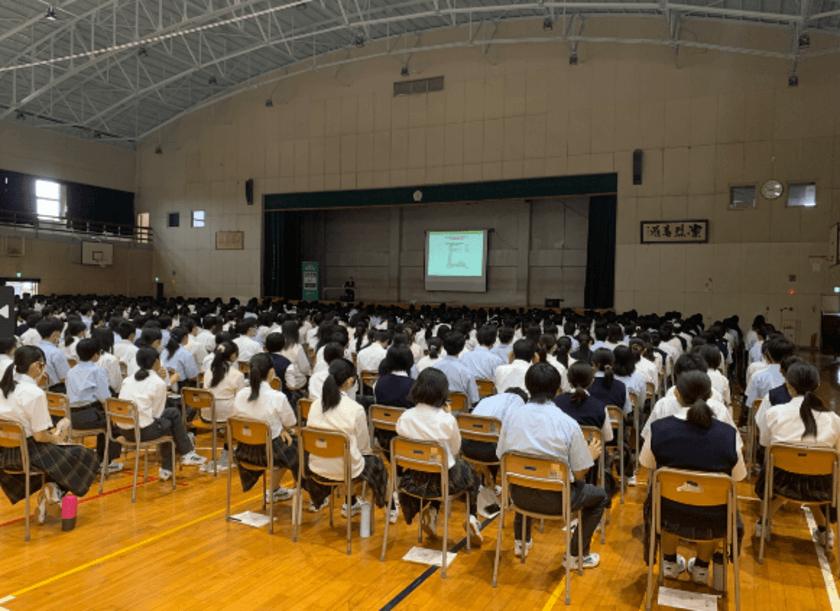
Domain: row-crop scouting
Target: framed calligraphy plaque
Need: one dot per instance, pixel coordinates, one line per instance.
(675, 232)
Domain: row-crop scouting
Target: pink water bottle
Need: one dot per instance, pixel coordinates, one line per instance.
(69, 504)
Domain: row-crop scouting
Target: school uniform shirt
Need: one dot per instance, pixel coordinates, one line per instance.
(753, 369)
(720, 384)
(247, 348)
(784, 425)
(592, 412)
(669, 406)
(224, 392)
(70, 351)
(125, 350)
(196, 349)
(393, 388)
(5, 362)
(763, 382)
(416, 351)
(498, 405)
(271, 407)
(207, 340)
(511, 376)
(26, 405)
(544, 430)
(370, 358)
(427, 423)
(149, 395)
(648, 370)
(575, 343)
(297, 355)
(503, 352)
(482, 362)
(182, 362)
(615, 395)
(57, 365)
(634, 383)
(349, 418)
(109, 363)
(30, 338)
(751, 338)
(86, 384)
(426, 362)
(459, 377)
(755, 352)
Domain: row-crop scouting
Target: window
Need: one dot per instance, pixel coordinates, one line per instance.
(802, 195)
(198, 218)
(143, 227)
(742, 197)
(48, 199)
(174, 219)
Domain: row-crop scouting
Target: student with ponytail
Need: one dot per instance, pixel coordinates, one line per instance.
(692, 439)
(336, 411)
(150, 337)
(261, 402)
(68, 467)
(435, 345)
(148, 391)
(224, 380)
(176, 357)
(582, 407)
(804, 420)
(625, 371)
(75, 331)
(606, 387)
(583, 353)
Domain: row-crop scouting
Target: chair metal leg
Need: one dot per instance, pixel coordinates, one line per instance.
(215, 445)
(104, 473)
(580, 542)
(420, 523)
(567, 557)
(621, 461)
(271, 503)
(174, 484)
(522, 538)
(332, 497)
(542, 525)
(263, 495)
(136, 469)
(27, 492)
(227, 513)
(388, 506)
(348, 493)
(146, 465)
(498, 542)
(446, 532)
(469, 527)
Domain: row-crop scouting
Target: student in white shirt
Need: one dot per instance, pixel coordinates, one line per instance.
(224, 380)
(711, 354)
(245, 343)
(330, 352)
(524, 354)
(370, 357)
(75, 331)
(260, 402)
(68, 467)
(808, 421)
(481, 361)
(435, 346)
(294, 351)
(125, 349)
(431, 420)
(336, 411)
(148, 392)
(107, 361)
(7, 353)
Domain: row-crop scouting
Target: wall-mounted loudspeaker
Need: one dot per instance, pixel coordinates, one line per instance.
(552, 303)
(249, 191)
(637, 167)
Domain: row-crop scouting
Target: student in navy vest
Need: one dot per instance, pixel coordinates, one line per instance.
(692, 439)
(606, 387)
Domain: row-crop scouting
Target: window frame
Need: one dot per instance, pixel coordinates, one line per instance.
(800, 182)
(203, 219)
(59, 201)
(169, 217)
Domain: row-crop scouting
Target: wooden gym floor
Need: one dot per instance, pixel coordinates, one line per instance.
(174, 550)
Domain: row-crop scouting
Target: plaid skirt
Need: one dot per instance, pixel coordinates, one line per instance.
(285, 457)
(72, 467)
(805, 488)
(375, 474)
(462, 476)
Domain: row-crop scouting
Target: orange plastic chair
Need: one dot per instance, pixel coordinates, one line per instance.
(12, 435)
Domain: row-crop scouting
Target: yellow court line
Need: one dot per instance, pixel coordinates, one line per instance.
(558, 591)
(125, 549)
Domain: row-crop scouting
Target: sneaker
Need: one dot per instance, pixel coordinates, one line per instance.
(191, 459)
(825, 538)
(115, 467)
(313, 508)
(192, 438)
(164, 474)
(759, 530)
(590, 561)
(498, 491)
(395, 514)
(473, 529)
(281, 494)
(489, 512)
(53, 493)
(672, 570)
(699, 575)
(355, 509)
(41, 510)
(517, 547)
(428, 521)
(630, 481)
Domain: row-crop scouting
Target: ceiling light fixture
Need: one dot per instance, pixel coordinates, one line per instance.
(404, 71)
(51, 14)
(359, 41)
(793, 80)
(548, 24)
(158, 150)
(804, 41)
(269, 103)
(573, 59)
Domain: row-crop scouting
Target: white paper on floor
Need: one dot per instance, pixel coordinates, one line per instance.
(486, 498)
(422, 555)
(683, 599)
(249, 518)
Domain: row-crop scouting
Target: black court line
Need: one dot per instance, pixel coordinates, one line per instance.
(391, 604)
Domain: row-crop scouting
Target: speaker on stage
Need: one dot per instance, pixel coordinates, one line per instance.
(637, 167)
(249, 191)
(552, 303)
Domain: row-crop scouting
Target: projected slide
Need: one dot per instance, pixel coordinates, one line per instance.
(456, 261)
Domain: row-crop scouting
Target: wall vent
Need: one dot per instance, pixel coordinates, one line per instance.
(423, 85)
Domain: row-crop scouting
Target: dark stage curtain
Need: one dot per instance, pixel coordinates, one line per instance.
(17, 195)
(600, 253)
(283, 255)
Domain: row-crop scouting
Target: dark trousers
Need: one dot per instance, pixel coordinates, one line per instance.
(91, 417)
(59, 388)
(169, 423)
(592, 500)
(481, 450)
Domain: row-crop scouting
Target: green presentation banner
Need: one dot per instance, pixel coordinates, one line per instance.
(310, 281)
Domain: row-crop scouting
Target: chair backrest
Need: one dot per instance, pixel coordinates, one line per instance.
(486, 387)
(651, 389)
(804, 460)
(121, 412)
(72, 363)
(693, 487)
(592, 432)
(385, 417)
(324, 443)
(634, 398)
(369, 377)
(243, 367)
(197, 398)
(426, 456)
(57, 404)
(479, 428)
(123, 369)
(459, 401)
(275, 383)
(616, 415)
(536, 472)
(12, 435)
(303, 406)
(249, 431)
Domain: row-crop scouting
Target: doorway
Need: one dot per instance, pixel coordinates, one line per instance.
(22, 286)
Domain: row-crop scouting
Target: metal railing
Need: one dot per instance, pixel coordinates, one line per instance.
(76, 226)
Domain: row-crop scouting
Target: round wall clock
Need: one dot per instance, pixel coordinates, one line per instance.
(772, 189)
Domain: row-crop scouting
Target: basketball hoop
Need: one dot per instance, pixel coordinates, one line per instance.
(102, 264)
(816, 262)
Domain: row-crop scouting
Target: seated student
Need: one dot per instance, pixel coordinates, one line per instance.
(292, 381)
(808, 421)
(711, 354)
(331, 352)
(481, 361)
(765, 381)
(224, 380)
(645, 364)
(337, 412)
(245, 343)
(150, 337)
(394, 384)
(125, 349)
(57, 365)
(615, 337)
(762, 333)
(148, 391)
(582, 407)
(207, 337)
(68, 467)
(625, 372)
(540, 428)
(459, 377)
(505, 344)
(752, 335)
(107, 361)
(606, 387)
(692, 439)
(76, 330)
(435, 345)
(177, 358)
(754, 368)
(431, 420)
(524, 354)
(601, 333)
(7, 354)
(259, 401)
(31, 337)
(371, 356)
(400, 339)
(296, 353)
(584, 351)
(87, 391)
(780, 394)
(195, 348)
